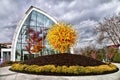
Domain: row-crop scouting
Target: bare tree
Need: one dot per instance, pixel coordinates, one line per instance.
(109, 30)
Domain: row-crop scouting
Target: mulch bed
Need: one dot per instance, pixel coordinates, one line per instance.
(63, 59)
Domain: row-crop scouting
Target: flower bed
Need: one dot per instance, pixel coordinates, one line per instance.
(64, 70)
(63, 59)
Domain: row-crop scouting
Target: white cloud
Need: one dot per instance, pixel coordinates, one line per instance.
(84, 14)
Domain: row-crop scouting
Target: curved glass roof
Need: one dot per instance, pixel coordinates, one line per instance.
(36, 21)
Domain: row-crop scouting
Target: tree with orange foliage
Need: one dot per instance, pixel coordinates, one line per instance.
(34, 43)
(38, 47)
(61, 36)
(111, 52)
(94, 54)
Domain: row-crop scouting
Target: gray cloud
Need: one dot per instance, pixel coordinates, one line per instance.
(84, 14)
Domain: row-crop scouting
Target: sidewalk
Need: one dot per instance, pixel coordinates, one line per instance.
(5, 74)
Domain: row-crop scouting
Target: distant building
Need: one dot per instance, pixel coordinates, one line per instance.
(113, 46)
(5, 52)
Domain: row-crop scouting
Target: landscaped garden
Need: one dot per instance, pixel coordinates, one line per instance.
(64, 64)
(62, 37)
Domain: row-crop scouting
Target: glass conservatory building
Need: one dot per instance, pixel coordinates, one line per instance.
(34, 19)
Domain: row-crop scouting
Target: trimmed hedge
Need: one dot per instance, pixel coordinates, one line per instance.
(116, 58)
(64, 70)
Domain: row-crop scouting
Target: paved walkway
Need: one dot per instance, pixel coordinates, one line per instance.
(5, 74)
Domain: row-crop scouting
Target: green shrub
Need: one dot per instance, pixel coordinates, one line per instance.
(57, 69)
(116, 58)
(48, 68)
(100, 56)
(75, 70)
(31, 68)
(19, 67)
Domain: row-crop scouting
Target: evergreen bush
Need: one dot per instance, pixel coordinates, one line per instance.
(116, 58)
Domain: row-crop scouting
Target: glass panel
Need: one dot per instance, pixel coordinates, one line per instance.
(33, 19)
(40, 19)
(47, 21)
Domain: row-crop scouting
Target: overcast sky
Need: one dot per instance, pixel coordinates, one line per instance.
(84, 14)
